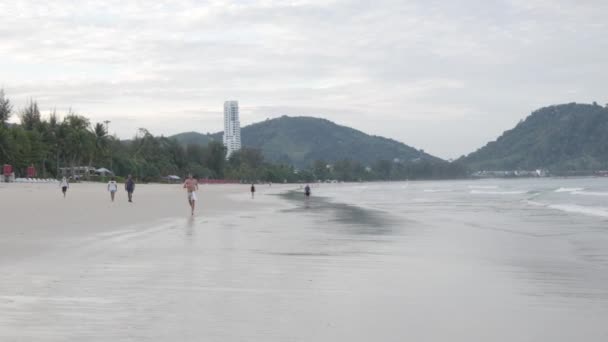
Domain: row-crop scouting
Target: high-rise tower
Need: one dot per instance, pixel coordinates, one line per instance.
(232, 127)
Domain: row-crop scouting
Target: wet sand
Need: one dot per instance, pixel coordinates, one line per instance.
(36, 215)
(280, 268)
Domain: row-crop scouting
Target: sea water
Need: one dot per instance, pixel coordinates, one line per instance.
(491, 260)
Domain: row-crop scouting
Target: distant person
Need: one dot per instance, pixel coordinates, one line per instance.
(252, 191)
(191, 185)
(307, 191)
(130, 187)
(64, 186)
(112, 188)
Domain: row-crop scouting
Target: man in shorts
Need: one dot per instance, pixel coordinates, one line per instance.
(64, 186)
(191, 185)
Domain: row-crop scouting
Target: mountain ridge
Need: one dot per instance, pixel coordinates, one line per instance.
(562, 138)
(301, 140)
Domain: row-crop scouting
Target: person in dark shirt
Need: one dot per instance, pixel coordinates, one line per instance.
(130, 187)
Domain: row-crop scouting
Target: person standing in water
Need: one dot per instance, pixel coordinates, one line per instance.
(307, 191)
(130, 187)
(191, 185)
(252, 191)
(64, 186)
(112, 188)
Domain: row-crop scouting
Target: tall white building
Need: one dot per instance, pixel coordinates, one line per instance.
(232, 127)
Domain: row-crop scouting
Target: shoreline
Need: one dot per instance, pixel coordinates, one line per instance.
(352, 264)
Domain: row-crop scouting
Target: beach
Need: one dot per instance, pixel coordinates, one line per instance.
(464, 260)
(32, 213)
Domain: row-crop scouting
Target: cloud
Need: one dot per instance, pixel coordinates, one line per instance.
(421, 72)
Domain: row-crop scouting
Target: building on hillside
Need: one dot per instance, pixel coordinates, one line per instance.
(232, 127)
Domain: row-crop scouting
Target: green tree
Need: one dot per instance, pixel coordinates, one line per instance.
(30, 116)
(5, 108)
(78, 143)
(176, 154)
(7, 146)
(383, 169)
(320, 170)
(102, 142)
(216, 160)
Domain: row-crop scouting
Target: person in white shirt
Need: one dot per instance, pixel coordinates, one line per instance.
(112, 188)
(64, 186)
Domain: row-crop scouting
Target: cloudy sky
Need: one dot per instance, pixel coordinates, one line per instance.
(444, 76)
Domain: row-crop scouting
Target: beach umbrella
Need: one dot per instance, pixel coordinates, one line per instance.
(103, 171)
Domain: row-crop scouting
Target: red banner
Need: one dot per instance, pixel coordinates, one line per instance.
(31, 172)
(7, 169)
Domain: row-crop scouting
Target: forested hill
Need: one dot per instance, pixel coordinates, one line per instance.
(193, 138)
(568, 137)
(300, 141)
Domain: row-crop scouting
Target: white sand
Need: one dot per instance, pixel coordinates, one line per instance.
(86, 269)
(33, 215)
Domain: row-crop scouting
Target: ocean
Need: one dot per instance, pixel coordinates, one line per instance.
(491, 260)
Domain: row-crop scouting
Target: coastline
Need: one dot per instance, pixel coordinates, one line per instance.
(355, 262)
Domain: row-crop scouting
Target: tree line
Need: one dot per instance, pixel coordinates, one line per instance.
(50, 143)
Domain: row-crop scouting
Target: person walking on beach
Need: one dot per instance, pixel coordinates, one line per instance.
(252, 191)
(112, 188)
(130, 187)
(191, 185)
(64, 186)
(307, 191)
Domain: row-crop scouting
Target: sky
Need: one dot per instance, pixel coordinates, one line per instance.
(443, 76)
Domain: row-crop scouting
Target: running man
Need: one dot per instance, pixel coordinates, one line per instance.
(307, 191)
(130, 187)
(191, 185)
(252, 191)
(112, 188)
(64, 186)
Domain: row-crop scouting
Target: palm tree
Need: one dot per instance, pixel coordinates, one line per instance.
(101, 140)
(79, 141)
(30, 116)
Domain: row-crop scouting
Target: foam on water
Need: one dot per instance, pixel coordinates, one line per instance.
(579, 209)
(513, 192)
(569, 189)
(590, 193)
(537, 204)
(483, 186)
(573, 208)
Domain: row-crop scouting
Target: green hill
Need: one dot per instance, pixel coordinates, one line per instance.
(193, 138)
(302, 140)
(561, 138)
